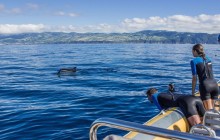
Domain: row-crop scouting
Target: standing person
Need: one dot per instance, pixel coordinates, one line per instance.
(191, 106)
(201, 66)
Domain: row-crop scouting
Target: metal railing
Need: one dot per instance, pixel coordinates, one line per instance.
(216, 104)
(144, 129)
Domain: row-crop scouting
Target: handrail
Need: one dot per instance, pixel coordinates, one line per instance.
(144, 129)
(218, 103)
(209, 130)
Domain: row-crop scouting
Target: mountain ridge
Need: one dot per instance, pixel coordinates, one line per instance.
(145, 36)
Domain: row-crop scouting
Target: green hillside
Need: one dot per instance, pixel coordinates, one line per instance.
(147, 36)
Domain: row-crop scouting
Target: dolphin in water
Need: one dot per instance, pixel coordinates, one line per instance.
(67, 70)
(73, 70)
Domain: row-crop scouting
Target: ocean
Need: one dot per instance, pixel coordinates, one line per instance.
(110, 81)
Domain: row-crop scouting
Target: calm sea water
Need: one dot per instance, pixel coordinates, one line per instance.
(111, 81)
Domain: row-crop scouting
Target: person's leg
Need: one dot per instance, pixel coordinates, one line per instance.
(213, 105)
(193, 120)
(200, 108)
(188, 105)
(208, 104)
(206, 97)
(209, 92)
(214, 96)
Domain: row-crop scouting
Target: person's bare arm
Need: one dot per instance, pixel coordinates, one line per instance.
(194, 80)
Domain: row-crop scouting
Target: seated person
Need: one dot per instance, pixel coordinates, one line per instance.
(191, 106)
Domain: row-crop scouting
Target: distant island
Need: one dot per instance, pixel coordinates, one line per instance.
(146, 36)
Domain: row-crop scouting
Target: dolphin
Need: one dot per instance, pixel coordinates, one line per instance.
(67, 70)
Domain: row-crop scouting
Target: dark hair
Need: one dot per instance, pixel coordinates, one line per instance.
(151, 91)
(199, 49)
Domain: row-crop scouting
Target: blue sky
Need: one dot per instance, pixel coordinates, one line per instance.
(18, 16)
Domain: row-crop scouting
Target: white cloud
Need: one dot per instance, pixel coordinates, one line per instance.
(18, 10)
(72, 14)
(201, 23)
(181, 23)
(61, 13)
(102, 28)
(10, 11)
(24, 28)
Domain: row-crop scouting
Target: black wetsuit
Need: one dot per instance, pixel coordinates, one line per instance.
(165, 100)
(190, 105)
(208, 86)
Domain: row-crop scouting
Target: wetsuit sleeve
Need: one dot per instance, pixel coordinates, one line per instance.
(193, 67)
(155, 100)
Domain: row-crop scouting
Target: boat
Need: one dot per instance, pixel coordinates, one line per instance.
(168, 124)
(172, 119)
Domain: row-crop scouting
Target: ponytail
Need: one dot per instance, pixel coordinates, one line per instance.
(199, 49)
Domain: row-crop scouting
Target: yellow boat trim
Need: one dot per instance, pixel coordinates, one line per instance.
(181, 125)
(156, 118)
(151, 121)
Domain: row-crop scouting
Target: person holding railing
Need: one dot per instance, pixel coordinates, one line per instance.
(201, 66)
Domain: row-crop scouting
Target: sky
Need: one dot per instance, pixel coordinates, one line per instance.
(109, 16)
